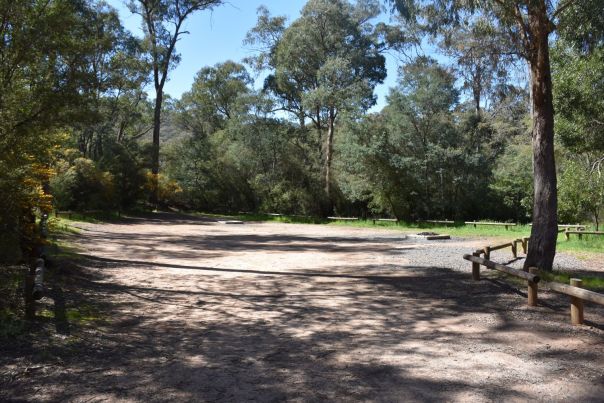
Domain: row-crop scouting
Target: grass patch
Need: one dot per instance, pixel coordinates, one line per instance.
(589, 282)
(95, 217)
(589, 243)
(84, 314)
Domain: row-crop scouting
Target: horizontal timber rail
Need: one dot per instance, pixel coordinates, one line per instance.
(574, 290)
(446, 222)
(568, 233)
(514, 245)
(496, 266)
(344, 218)
(577, 292)
(384, 220)
(500, 224)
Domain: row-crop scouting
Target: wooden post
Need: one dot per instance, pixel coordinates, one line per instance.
(576, 304)
(487, 252)
(567, 234)
(532, 288)
(514, 250)
(474, 225)
(524, 245)
(476, 268)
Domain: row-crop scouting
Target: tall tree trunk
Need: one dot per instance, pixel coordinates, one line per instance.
(329, 154)
(155, 151)
(544, 233)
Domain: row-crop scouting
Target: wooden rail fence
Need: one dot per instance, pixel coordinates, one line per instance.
(574, 290)
(568, 233)
(513, 245)
(445, 222)
(384, 220)
(500, 224)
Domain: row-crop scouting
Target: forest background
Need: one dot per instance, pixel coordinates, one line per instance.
(292, 128)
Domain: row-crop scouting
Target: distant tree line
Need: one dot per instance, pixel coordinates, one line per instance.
(79, 131)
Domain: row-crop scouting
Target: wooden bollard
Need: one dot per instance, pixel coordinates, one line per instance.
(567, 234)
(487, 252)
(524, 245)
(476, 268)
(514, 250)
(532, 288)
(576, 304)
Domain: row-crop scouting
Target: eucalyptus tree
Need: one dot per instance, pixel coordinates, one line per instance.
(326, 62)
(119, 71)
(213, 98)
(163, 26)
(409, 153)
(478, 52)
(527, 25)
(578, 76)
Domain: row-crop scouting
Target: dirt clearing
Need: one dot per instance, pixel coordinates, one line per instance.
(196, 310)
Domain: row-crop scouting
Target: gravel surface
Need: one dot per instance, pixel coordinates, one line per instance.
(196, 310)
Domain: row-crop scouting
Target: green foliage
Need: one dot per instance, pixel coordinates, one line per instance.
(420, 157)
(579, 84)
(581, 191)
(513, 181)
(44, 76)
(82, 186)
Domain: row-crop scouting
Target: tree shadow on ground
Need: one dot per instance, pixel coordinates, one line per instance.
(382, 332)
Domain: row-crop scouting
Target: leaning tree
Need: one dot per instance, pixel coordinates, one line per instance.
(163, 25)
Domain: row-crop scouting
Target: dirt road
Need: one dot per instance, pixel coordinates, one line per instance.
(196, 310)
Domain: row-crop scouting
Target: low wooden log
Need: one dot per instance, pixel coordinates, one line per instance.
(576, 304)
(569, 232)
(439, 221)
(509, 270)
(581, 293)
(501, 224)
(532, 288)
(501, 246)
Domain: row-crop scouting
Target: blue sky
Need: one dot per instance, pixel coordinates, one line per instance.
(216, 36)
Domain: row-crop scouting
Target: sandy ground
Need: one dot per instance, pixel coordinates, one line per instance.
(196, 310)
